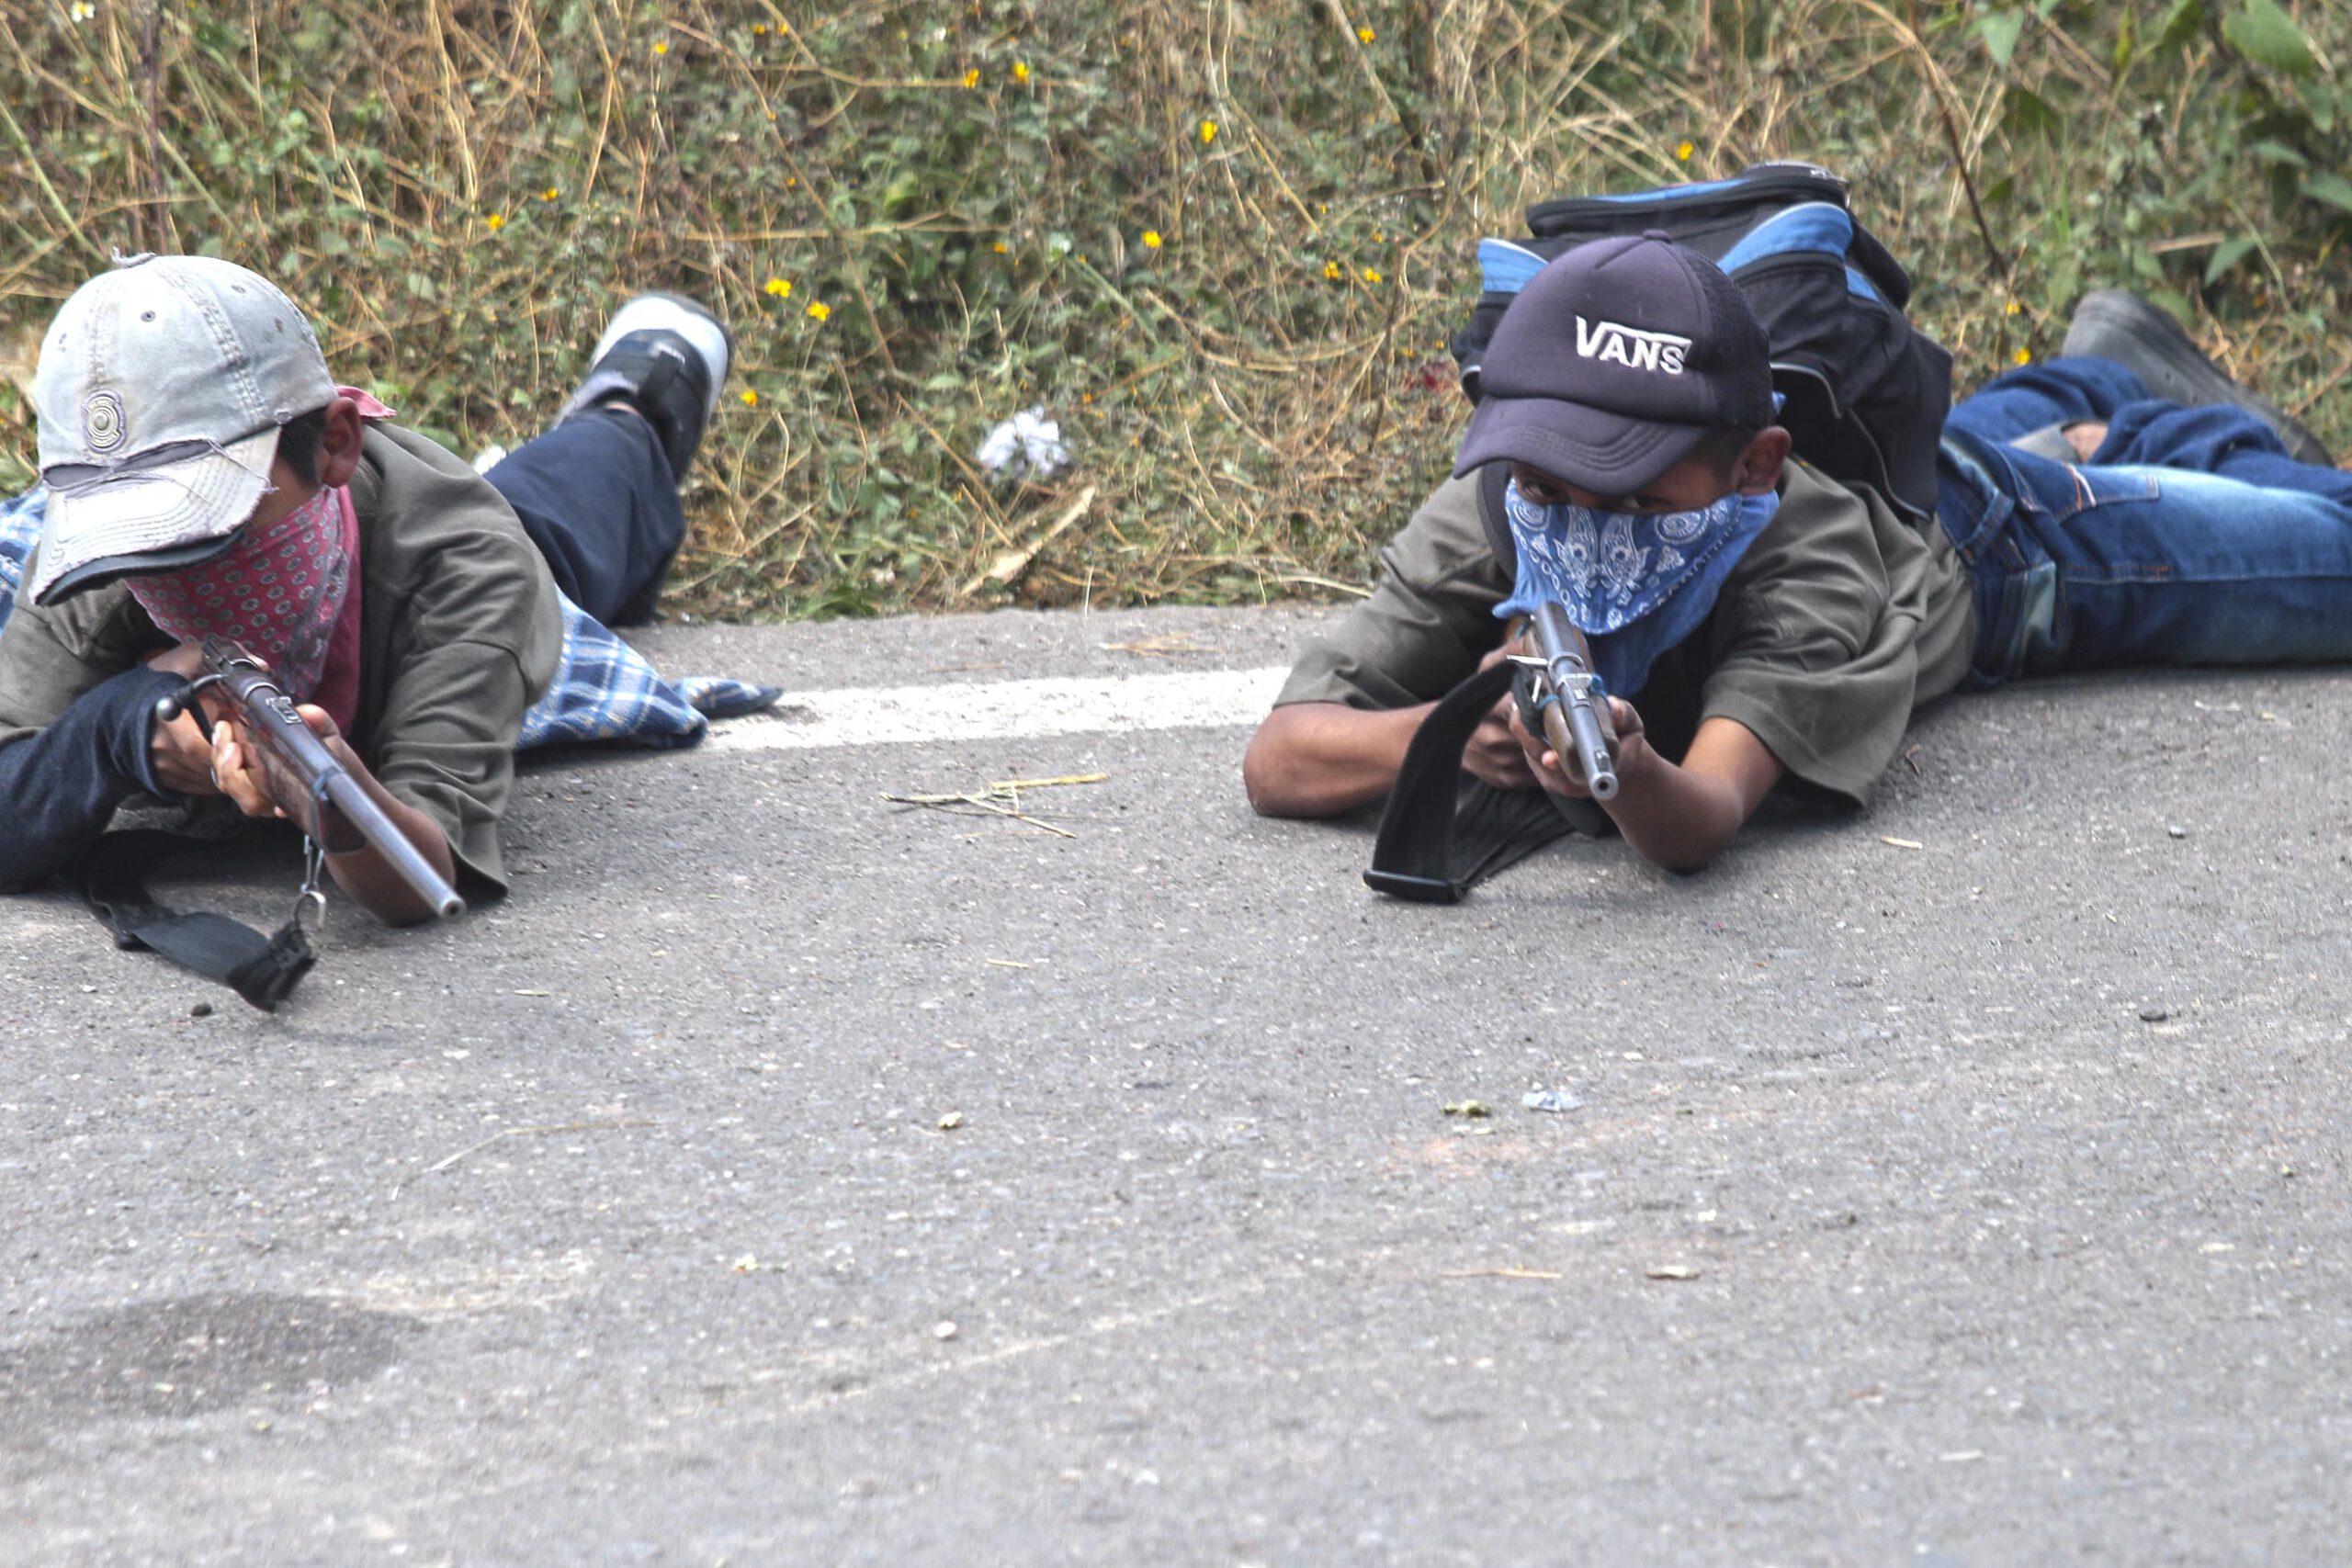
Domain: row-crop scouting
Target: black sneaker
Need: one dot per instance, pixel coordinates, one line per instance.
(2113, 324)
(666, 357)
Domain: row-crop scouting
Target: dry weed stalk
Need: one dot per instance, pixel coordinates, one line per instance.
(1224, 243)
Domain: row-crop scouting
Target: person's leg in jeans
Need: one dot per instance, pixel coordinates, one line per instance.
(599, 493)
(2192, 539)
(2215, 439)
(2079, 391)
(2058, 392)
(596, 495)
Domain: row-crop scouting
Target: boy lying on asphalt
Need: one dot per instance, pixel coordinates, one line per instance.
(205, 475)
(1759, 624)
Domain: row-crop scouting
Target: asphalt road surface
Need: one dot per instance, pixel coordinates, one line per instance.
(787, 1175)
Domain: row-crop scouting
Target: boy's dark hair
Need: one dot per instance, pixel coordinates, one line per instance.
(298, 443)
(1721, 448)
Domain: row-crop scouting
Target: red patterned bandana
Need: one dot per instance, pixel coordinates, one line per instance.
(279, 592)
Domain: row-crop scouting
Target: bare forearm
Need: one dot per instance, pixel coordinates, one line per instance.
(370, 878)
(1320, 758)
(1672, 817)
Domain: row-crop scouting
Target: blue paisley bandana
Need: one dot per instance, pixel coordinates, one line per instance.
(1635, 584)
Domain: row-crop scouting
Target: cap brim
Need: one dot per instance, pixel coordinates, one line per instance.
(1591, 448)
(161, 513)
(107, 569)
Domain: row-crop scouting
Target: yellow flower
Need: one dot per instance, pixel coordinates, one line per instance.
(972, 78)
(1152, 239)
(1020, 71)
(2011, 309)
(1364, 35)
(1370, 275)
(819, 310)
(1331, 269)
(751, 399)
(759, 29)
(1208, 131)
(662, 49)
(2022, 356)
(550, 194)
(1000, 248)
(780, 286)
(1682, 152)
(496, 221)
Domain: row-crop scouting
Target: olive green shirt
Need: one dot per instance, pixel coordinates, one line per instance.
(460, 628)
(1838, 623)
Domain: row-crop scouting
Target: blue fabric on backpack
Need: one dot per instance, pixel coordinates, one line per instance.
(1704, 187)
(1506, 268)
(1813, 226)
(1808, 226)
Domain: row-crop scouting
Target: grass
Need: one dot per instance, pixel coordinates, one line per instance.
(1224, 245)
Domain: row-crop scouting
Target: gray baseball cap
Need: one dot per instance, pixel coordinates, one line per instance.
(161, 389)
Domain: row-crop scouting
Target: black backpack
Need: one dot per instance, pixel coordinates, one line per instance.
(1867, 394)
(1866, 397)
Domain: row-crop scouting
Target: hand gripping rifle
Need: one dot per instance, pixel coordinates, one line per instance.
(342, 817)
(1573, 722)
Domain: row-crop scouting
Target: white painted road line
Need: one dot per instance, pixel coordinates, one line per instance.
(884, 716)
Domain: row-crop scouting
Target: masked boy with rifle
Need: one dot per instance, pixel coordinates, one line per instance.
(206, 477)
(1758, 625)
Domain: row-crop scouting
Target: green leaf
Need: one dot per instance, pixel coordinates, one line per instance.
(2279, 153)
(2066, 280)
(2126, 39)
(2000, 30)
(2319, 102)
(2333, 189)
(2267, 36)
(2027, 110)
(2179, 26)
(2227, 254)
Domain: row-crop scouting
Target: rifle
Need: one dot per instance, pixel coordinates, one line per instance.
(1572, 722)
(342, 817)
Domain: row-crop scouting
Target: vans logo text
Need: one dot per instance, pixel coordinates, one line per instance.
(1612, 344)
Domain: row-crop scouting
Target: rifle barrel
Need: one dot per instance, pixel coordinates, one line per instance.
(1568, 670)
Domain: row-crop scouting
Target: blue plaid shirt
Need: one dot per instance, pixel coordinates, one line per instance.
(603, 690)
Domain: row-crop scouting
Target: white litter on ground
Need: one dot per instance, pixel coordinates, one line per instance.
(1028, 446)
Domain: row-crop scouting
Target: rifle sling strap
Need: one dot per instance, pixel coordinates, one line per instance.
(1441, 833)
(112, 876)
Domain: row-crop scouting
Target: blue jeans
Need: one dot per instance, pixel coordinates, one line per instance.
(596, 495)
(2190, 536)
